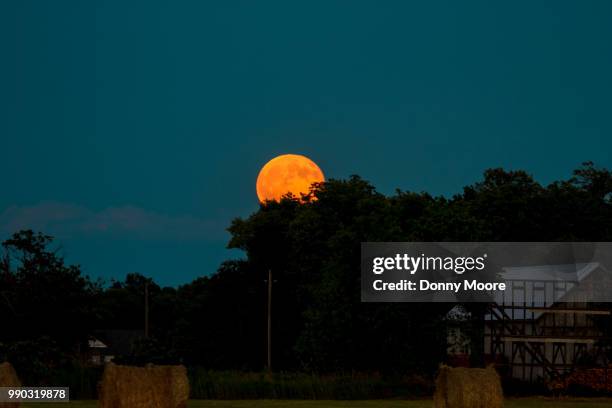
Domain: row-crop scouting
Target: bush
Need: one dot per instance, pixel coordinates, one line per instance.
(82, 380)
(250, 385)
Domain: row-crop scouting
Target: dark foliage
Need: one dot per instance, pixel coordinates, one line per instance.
(312, 248)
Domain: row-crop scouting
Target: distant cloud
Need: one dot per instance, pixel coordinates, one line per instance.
(65, 220)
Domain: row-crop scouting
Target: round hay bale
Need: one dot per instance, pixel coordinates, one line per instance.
(179, 386)
(468, 388)
(144, 387)
(8, 378)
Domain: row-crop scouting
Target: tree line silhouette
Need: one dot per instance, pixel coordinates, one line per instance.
(49, 309)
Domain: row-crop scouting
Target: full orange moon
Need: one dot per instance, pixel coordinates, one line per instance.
(288, 173)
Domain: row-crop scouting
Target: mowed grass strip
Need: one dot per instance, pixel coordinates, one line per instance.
(510, 403)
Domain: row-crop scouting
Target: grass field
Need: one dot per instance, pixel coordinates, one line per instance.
(510, 403)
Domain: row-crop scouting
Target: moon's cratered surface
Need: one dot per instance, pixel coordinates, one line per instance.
(288, 173)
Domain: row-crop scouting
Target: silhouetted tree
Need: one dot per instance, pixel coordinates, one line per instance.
(312, 245)
(47, 308)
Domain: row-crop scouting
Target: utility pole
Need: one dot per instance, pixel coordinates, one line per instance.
(146, 310)
(270, 320)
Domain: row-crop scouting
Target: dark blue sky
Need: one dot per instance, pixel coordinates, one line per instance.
(134, 130)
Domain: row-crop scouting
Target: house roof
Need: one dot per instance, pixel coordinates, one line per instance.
(119, 341)
(96, 343)
(541, 286)
(549, 273)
